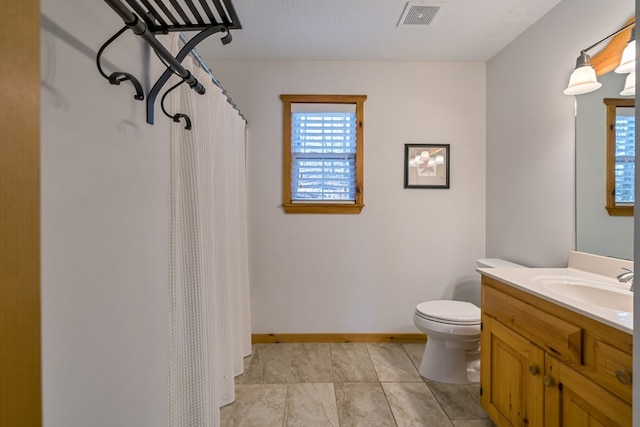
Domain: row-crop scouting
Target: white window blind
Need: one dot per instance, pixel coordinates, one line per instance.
(625, 153)
(323, 153)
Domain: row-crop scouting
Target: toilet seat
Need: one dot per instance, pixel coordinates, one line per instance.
(449, 312)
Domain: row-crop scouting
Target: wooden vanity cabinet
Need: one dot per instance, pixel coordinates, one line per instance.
(545, 365)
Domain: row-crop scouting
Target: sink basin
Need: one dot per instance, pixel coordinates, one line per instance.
(602, 294)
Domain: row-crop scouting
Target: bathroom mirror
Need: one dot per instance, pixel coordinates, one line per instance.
(596, 231)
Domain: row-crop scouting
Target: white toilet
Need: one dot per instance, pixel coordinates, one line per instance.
(452, 352)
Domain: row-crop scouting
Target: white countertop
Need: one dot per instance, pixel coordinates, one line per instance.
(529, 280)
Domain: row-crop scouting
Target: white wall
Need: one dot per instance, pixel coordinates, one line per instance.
(365, 273)
(530, 132)
(104, 229)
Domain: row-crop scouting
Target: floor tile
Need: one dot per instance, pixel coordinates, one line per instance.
(415, 352)
(277, 360)
(289, 363)
(311, 363)
(351, 363)
(473, 423)
(474, 391)
(258, 405)
(413, 404)
(226, 411)
(392, 363)
(254, 371)
(363, 405)
(456, 401)
(241, 379)
(312, 405)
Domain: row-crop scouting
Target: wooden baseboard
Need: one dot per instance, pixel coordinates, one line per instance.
(337, 338)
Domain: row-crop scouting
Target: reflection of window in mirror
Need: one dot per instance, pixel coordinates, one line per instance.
(621, 133)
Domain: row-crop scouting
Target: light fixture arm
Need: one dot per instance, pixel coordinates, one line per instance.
(608, 37)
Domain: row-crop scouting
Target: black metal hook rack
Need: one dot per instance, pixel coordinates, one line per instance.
(148, 18)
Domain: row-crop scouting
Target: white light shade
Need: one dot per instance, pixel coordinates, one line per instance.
(582, 80)
(439, 160)
(629, 85)
(424, 154)
(628, 61)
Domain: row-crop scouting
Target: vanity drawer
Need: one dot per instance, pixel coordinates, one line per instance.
(614, 370)
(555, 335)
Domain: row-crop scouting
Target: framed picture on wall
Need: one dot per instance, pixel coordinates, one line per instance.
(426, 165)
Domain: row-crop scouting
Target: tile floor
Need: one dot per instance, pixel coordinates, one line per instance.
(347, 384)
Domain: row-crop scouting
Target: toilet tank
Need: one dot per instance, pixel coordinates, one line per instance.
(496, 263)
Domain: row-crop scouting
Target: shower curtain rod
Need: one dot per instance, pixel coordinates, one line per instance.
(215, 81)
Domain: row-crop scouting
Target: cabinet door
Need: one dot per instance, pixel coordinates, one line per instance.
(511, 376)
(573, 400)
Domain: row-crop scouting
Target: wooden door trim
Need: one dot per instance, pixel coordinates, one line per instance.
(20, 367)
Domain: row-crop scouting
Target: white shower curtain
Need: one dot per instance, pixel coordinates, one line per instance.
(209, 285)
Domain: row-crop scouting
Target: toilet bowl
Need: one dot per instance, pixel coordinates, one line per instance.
(452, 353)
(453, 341)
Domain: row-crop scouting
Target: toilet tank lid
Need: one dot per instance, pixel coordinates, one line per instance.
(496, 263)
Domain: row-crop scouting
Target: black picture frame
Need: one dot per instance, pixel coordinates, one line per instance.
(426, 166)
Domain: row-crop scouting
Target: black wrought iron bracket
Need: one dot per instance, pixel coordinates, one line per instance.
(186, 49)
(175, 117)
(118, 77)
(149, 20)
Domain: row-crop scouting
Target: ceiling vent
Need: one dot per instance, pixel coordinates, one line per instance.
(420, 14)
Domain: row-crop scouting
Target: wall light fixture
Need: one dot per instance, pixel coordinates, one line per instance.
(584, 79)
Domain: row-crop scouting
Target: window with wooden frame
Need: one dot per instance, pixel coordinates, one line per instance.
(620, 164)
(323, 165)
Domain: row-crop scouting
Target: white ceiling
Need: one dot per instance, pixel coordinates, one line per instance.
(367, 30)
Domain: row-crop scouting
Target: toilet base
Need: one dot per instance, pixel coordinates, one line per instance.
(447, 365)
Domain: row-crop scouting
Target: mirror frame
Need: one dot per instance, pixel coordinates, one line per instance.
(610, 200)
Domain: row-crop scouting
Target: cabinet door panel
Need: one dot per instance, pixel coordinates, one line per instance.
(512, 390)
(573, 400)
(576, 411)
